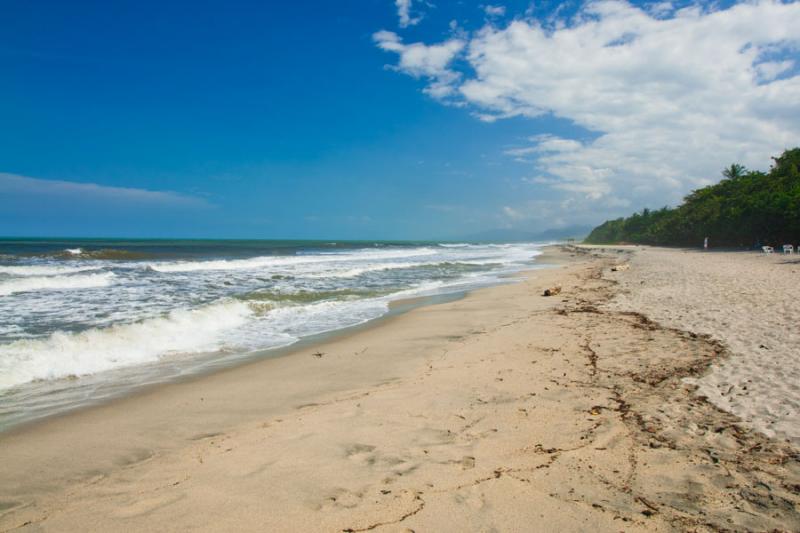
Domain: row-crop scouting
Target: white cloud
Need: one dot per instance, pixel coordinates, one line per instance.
(770, 70)
(532, 214)
(568, 211)
(521, 152)
(514, 214)
(551, 143)
(70, 191)
(545, 144)
(426, 61)
(670, 96)
(404, 13)
(494, 11)
(661, 9)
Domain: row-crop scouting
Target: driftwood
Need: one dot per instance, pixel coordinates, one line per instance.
(620, 268)
(552, 291)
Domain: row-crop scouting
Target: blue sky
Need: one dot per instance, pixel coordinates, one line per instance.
(378, 118)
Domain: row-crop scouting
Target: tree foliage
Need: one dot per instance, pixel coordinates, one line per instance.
(745, 209)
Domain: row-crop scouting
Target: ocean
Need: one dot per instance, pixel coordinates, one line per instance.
(86, 320)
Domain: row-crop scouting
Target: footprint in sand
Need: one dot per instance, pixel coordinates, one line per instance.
(361, 453)
(340, 498)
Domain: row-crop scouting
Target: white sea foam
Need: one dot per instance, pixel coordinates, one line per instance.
(284, 261)
(325, 316)
(74, 251)
(44, 270)
(95, 350)
(358, 271)
(377, 267)
(81, 281)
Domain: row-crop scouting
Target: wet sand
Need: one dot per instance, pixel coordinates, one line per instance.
(505, 410)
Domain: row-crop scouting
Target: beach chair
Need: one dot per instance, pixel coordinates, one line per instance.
(767, 249)
(788, 249)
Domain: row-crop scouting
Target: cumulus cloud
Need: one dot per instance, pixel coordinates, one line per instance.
(70, 191)
(404, 13)
(425, 61)
(551, 143)
(668, 97)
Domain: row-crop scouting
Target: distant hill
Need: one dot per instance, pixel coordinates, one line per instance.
(745, 209)
(512, 235)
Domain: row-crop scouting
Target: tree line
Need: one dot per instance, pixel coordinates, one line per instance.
(748, 208)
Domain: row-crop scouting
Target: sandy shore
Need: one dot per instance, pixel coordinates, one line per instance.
(502, 411)
(748, 301)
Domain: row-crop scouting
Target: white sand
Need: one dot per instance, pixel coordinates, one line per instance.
(748, 301)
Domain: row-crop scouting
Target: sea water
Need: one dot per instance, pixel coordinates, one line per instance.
(84, 320)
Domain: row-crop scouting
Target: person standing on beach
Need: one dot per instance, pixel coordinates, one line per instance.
(705, 244)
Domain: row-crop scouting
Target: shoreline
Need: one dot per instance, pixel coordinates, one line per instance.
(210, 367)
(307, 346)
(396, 308)
(503, 409)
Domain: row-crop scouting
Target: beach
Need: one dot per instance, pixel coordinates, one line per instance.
(85, 320)
(749, 301)
(505, 410)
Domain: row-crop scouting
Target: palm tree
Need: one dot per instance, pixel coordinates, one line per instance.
(734, 171)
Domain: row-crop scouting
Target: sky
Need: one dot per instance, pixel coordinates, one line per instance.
(380, 119)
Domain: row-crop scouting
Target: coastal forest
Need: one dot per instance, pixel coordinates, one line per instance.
(748, 208)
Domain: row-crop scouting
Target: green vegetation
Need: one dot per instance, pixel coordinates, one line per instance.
(745, 209)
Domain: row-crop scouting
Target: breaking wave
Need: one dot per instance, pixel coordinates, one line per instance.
(43, 283)
(65, 354)
(282, 261)
(43, 270)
